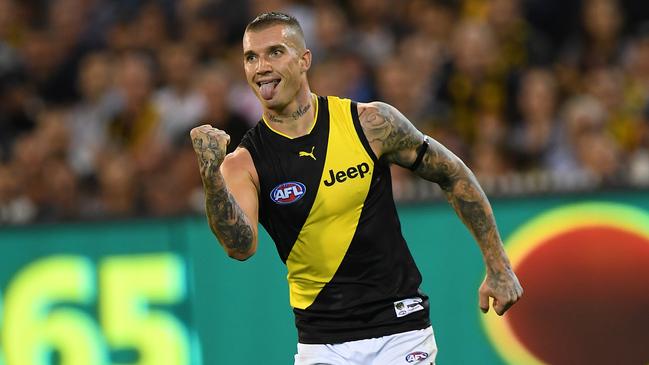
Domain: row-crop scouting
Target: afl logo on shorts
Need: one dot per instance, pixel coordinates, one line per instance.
(416, 356)
(288, 193)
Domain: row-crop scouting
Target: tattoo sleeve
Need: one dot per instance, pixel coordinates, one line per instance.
(226, 219)
(398, 140)
(465, 195)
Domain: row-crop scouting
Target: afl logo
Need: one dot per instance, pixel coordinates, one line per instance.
(416, 356)
(288, 193)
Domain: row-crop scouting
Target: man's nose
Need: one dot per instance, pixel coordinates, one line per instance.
(264, 66)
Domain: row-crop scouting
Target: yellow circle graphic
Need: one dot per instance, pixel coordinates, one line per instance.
(538, 230)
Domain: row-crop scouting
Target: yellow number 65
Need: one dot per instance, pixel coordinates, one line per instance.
(48, 311)
(129, 284)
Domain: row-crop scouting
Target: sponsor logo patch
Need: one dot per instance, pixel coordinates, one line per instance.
(288, 193)
(407, 306)
(416, 356)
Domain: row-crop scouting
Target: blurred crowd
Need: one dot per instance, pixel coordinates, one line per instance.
(97, 96)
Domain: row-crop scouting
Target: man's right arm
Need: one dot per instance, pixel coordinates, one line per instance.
(231, 191)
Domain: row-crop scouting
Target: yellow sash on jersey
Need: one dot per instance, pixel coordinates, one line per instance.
(332, 221)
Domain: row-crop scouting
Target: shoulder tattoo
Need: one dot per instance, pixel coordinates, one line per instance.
(386, 127)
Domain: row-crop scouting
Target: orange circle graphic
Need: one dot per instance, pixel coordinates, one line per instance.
(585, 271)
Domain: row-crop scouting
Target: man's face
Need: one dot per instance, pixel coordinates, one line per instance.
(274, 62)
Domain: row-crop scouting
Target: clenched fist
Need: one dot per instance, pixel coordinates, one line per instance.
(210, 145)
(504, 287)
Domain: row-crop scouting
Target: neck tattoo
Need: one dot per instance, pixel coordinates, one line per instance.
(301, 110)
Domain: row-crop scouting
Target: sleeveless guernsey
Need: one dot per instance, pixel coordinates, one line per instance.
(327, 203)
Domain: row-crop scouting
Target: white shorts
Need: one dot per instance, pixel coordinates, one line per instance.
(407, 348)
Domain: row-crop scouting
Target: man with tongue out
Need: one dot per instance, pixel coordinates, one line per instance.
(315, 173)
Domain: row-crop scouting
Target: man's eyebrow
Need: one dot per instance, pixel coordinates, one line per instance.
(276, 46)
(270, 48)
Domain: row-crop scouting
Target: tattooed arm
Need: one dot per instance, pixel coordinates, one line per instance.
(394, 138)
(231, 185)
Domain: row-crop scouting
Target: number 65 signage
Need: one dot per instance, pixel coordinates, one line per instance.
(65, 310)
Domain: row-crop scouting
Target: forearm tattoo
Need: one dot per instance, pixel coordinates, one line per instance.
(226, 219)
(469, 201)
(399, 139)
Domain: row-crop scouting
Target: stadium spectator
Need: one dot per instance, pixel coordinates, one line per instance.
(214, 84)
(88, 119)
(179, 104)
(135, 125)
(129, 78)
(599, 43)
(587, 146)
(608, 86)
(536, 135)
(15, 207)
(118, 189)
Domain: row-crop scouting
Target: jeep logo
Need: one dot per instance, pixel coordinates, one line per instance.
(350, 173)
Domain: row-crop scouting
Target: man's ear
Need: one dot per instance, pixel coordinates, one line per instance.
(305, 61)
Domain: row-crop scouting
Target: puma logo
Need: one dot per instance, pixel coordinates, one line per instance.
(308, 154)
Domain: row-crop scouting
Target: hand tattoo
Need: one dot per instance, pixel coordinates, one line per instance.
(210, 155)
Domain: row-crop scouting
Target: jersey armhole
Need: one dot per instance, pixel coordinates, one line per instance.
(360, 132)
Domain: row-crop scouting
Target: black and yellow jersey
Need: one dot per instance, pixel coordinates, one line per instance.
(327, 203)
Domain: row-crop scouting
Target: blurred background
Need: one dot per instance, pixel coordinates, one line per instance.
(97, 97)
(547, 101)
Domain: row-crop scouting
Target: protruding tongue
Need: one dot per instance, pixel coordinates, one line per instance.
(267, 90)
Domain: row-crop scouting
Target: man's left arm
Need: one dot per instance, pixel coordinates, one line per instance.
(393, 137)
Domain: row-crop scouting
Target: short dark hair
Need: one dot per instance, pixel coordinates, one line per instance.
(265, 20)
